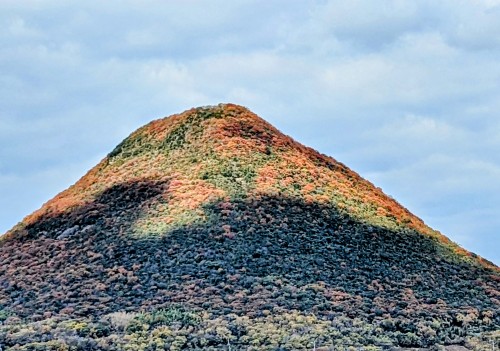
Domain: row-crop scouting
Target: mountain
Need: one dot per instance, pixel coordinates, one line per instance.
(212, 230)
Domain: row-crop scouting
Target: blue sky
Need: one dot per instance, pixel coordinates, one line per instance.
(406, 93)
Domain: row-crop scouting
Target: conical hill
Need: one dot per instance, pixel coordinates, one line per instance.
(211, 229)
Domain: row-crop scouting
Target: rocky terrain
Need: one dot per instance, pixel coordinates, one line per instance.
(211, 230)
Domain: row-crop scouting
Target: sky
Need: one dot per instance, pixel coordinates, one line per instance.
(406, 93)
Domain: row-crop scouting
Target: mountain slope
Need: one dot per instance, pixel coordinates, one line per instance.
(226, 233)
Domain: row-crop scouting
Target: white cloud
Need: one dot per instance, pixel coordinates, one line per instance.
(368, 23)
(476, 27)
(17, 27)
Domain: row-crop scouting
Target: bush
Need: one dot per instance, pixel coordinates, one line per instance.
(119, 320)
(174, 315)
(4, 315)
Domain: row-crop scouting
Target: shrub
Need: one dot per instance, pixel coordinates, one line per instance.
(119, 320)
(173, 315)
(4, 315)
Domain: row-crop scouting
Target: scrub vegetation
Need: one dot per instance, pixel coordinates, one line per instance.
(211, 230)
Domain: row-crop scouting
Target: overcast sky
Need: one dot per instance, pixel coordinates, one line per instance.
(406, 93)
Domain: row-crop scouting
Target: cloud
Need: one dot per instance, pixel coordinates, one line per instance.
(368, 24)
(373, 26)
(475, 27)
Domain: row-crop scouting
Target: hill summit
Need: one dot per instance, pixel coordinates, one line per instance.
(212, 230)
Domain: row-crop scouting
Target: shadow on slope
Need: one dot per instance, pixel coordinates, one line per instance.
(251, 257)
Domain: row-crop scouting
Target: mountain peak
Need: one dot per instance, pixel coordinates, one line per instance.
(213, 215)
(180, 130)
(226, 151)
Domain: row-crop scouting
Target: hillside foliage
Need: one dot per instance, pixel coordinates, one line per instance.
(211, 230)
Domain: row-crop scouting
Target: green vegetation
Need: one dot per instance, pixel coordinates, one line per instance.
(4, 315)
(162, 317)
(178, 329)
(232, 175)
(192, 125)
